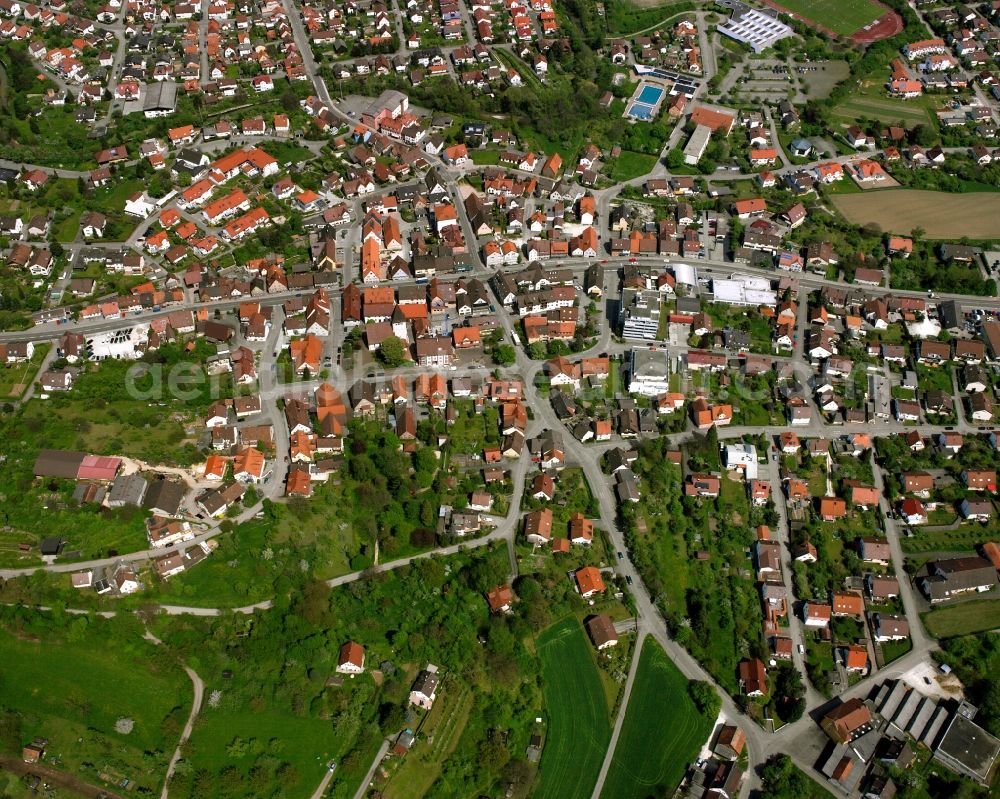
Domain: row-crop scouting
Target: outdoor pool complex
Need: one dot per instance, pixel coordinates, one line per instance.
(645, 102)
(650, 95)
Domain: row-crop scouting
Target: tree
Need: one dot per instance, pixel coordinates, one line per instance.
(782, 780)
(421, 537)
(989, 706)
(504, 355)
(705, 698)
(391, 717)
(675, 158)
(392, 352)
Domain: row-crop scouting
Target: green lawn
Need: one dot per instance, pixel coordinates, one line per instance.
(288, 152)
(16, 378)
(630, 165)
(578, 725)
(893, 650)
(241, 572)
(843, 17)
(625, 17)
(662, 732)
(307, 743)
(485, 157)
(74, 691)
(965, 539)
(67, 229)
(964, 618)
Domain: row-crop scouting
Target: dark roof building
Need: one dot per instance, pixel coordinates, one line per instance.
(847, 721)
(58, 463)
(951, 577)
(602, 631)
(966, 747)
(164, 497)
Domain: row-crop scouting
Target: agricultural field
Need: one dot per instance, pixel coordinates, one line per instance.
(857, 108)
(963, 618)
(60, 691)
(870, 101)
(941, 215)
(662, 732)
(843, 17)
(579, 727)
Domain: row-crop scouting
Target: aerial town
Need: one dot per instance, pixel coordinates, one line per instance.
(571, 399)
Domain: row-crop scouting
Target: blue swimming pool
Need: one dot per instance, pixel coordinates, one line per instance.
(650, 95)
(642, 112)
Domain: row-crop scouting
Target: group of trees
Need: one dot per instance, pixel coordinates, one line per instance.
(975, 659)
(782, 779)
(707, 605)
(426, 612)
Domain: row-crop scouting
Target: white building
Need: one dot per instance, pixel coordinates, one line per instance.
(744, 290)
(743, 457)
(759, 29)
(648, 373)
(697, 144)
(640, 314)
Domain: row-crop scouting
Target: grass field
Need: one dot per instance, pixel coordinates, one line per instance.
(843, 17)
(578, 725)
(485, 157)
(964, 539)
(856, 108)
(630, 165)
(307, 743)
(869, 101)
(16, 378)
(73, 693)
(941, 215)
(964, 618)
(662, 733)
(894, 650)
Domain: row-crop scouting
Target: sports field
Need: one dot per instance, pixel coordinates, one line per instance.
(578, 725)
(964, 618)
(941, 215)
(888, 109)
(843, 17)
(662, 733)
